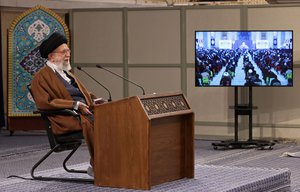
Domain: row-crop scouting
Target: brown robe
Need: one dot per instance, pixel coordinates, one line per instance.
(50, 94)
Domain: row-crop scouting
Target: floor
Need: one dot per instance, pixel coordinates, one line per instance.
(19, 152)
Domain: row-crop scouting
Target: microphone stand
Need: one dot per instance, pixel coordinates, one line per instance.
(99, 66)
(109, 99)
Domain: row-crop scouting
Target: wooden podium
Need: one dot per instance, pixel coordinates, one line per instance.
(143, 141)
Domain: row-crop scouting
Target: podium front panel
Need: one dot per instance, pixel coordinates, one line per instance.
(143, 141)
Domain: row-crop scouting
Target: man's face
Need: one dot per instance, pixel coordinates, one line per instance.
(61, 57)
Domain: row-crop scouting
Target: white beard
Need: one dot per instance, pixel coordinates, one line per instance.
(66, 66)
(63, 65)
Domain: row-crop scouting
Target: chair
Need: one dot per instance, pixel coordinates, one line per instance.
(58, 143)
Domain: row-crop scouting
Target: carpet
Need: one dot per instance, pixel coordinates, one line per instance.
(208, 178)
(269, 159)
(215, 170)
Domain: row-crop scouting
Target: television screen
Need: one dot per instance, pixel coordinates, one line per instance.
(244, 58)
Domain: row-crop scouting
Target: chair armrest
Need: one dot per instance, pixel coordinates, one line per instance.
(57, 112)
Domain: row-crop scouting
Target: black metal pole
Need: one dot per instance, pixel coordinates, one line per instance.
(250, 113)
(236, 117)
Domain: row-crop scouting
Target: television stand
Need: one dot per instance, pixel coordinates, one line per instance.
(243, 109)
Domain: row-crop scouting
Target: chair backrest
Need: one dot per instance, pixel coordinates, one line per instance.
(66, 141)
(51, 137)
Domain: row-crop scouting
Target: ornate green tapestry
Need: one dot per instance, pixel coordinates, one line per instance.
(25, 35)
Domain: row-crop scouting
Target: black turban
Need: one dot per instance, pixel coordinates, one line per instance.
(50, 44)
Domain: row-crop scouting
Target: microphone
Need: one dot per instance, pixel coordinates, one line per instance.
(109, 99)
(99, 66)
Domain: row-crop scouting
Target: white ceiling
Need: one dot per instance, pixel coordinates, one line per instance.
(69, 4)
(119, 2)
(72, 4)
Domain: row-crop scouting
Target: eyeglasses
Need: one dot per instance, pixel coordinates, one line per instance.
(65, 51)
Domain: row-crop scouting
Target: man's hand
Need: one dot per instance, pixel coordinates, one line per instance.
(84, 109)
(99, 101)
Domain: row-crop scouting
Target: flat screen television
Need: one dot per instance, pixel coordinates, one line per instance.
(244, 58)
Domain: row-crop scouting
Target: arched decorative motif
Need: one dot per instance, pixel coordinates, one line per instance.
(26, 33)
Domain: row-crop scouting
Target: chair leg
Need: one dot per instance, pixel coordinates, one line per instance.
(56, 178)
(67, 158)
(41, 160)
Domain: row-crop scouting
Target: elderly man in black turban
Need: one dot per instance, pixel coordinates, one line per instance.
(54, 87)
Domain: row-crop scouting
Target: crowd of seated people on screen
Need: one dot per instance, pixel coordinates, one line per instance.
(240, 67)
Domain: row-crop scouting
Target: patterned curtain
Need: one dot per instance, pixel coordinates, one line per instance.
(25, 35)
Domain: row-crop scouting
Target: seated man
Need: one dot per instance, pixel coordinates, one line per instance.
(54, 87)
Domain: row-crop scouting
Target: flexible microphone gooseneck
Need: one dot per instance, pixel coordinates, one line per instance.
(109, 99)
(99, 66)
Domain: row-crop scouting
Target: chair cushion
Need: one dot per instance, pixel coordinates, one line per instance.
(75, 136)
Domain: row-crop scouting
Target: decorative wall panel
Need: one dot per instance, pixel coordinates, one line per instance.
(25, 35)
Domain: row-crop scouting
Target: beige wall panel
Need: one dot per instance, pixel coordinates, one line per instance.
(284, 18)
(279, 132)
(224, 133)
(154, 80)
(154, 37)
(278, 108)
(278, 105)
(208, 19)
(112, 83)
(214, 132)
(98, 37)
(210, 104)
